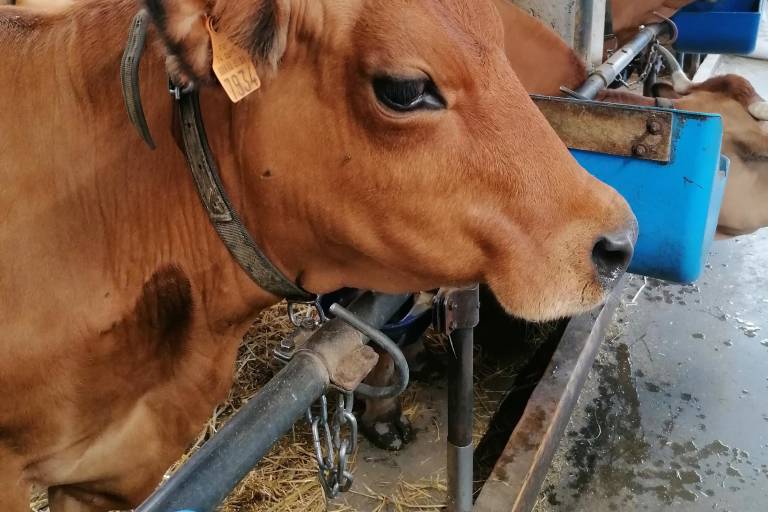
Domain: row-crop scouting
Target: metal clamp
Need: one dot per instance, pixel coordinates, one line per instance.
(332, 447)
(289, 345)
(456, 308)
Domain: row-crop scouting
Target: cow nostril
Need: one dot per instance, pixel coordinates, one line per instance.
(611, 256)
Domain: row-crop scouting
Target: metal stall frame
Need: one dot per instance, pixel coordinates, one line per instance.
(517, 477)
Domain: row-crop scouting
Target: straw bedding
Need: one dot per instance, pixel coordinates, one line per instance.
(286, 480)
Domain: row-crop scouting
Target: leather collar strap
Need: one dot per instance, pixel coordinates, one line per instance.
(203, 167)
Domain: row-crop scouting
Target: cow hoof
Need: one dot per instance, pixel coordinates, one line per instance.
(388, 433)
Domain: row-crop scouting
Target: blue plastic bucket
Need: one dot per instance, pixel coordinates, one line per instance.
(720, 26)
(677, 204)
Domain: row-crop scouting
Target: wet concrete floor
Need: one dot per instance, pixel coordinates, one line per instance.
(675, 413)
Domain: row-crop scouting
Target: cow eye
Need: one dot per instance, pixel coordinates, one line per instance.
(407, 94)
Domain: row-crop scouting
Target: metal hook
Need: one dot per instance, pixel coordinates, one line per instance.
(672, 27)
(386, 344)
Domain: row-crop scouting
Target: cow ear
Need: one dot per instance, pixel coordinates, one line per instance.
(664, 90)
(258, 27)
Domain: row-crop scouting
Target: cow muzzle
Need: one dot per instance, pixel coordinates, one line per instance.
(612, 254)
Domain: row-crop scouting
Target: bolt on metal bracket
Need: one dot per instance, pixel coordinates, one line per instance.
(456, 308)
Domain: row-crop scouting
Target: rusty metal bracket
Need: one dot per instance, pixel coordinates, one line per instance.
(456, 308)
(621, 130)
(354, 367)
(348, 372)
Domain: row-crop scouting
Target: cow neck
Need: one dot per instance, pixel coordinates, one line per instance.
(205, 173)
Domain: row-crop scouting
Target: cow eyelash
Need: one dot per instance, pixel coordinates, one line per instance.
(408, 94)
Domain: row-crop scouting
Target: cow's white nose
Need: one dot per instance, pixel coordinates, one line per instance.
(612, 253)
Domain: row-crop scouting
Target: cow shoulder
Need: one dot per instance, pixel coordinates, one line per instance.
(164, 310)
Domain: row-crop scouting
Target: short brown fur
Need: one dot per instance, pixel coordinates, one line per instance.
(122, 311)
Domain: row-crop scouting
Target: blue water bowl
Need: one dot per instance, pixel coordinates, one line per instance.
(676, 203)
(718, 26)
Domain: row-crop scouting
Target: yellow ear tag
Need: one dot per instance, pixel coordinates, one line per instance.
(233, 66)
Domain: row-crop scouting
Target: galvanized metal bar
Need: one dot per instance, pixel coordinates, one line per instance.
(590, 35)
(460, 312)
(516, 480)
(607, 72)
(460, 405)
(211, 473)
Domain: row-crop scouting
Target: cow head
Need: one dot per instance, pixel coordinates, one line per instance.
(745, 143)
(391, 147)
(745, 140)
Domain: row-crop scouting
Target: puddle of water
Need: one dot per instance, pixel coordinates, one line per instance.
(611, 453)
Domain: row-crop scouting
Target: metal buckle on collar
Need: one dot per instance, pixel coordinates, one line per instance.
(311, 319)
(178, 91)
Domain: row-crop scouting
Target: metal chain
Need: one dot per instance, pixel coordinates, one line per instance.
(650, 62)
(334, 443)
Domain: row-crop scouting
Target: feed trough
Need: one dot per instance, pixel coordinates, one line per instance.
(667, 165)
(722, 26)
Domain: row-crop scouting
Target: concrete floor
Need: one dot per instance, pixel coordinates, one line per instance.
(675, 413)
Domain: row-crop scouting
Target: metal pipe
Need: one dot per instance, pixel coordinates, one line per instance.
(460, 399)
(212, 472)
(607, 72)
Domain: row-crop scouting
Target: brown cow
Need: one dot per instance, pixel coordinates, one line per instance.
(744, 112)
(392, 148)
(745, 141)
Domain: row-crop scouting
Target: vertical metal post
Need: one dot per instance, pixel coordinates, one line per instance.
(457, 313)
(579, 22)
(460, 402)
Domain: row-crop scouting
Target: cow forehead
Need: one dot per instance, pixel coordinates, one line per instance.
(462, 23)
(449, 39)
(476, 19)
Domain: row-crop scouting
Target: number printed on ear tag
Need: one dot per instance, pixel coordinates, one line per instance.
(233, 66)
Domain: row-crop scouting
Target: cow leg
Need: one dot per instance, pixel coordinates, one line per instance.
(383, 422)
(68, 498)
